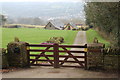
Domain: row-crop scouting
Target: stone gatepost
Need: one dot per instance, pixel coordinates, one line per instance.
(17, 54)
(95, 55)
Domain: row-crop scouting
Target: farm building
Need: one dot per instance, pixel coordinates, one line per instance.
(54, 25)
(70, 26)
(79, 25)
(13, 26)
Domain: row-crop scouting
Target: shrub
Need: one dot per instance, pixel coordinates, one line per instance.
(74, 29)
(84, 28)
(57, 40)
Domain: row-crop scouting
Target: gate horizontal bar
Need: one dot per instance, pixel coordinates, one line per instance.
(72, 66)
(67, 46)
(38, 50)
(73, 46)
(59, 56)
(39, 45)
(59, 60)
(41, 65)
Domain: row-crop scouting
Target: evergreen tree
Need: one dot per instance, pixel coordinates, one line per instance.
(105, 17)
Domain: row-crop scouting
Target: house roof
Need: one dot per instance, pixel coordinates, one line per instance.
(73, 25)
(58, 24)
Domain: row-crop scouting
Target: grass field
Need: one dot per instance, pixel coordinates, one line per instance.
(92, 33)
(35, 35)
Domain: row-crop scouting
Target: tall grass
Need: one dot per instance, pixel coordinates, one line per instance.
(91, 34)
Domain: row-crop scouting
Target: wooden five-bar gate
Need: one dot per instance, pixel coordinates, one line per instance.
(54, 54)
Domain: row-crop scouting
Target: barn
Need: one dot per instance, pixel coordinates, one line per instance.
(54, 25)
(70, 26)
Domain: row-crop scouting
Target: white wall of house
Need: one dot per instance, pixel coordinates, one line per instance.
(50, 26)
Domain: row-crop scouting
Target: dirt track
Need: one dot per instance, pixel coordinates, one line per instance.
(50, 72)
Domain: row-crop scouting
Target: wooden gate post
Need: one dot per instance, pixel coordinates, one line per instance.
(56, 56)
(28, 54)
(86, 57)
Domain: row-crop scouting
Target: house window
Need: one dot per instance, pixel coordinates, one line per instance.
(50, 25)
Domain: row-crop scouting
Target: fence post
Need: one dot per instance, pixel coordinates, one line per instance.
(56, 55)
(86, 58)
(28, 54)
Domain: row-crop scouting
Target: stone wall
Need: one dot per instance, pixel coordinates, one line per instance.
(95, 56)
(3, 58)
(17, 54)
(95, 60)
(111, 62)
(111, 58)
(107, 59)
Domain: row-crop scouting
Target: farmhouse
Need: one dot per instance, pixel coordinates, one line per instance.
(54, 25)
(70, 26)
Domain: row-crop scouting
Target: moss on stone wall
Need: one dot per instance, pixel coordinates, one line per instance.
(111, 62)
(95, 60)
(17, 54)
(3, 58)
(108, 59)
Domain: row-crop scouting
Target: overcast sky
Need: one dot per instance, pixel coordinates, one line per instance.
(59, 0)
(41, 0)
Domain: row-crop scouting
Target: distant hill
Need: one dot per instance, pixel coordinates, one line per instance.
(43, 9)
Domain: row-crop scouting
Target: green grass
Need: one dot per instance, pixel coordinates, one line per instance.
(35, 35)
(92, 33)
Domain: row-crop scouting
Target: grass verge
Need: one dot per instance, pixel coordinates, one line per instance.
(91, 34)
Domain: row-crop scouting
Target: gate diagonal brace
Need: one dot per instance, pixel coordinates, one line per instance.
(72, 56)
(42, 53)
